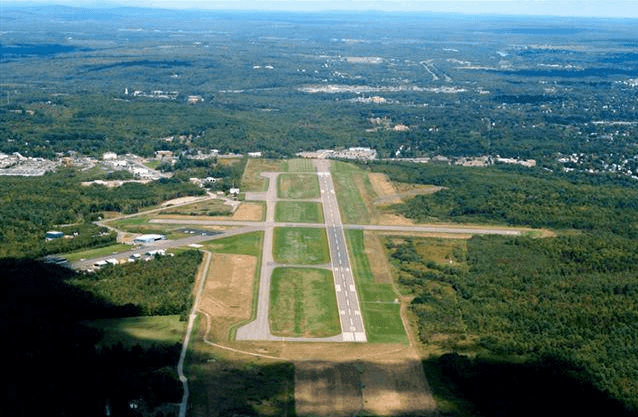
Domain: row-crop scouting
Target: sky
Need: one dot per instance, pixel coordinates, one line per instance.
(574, 8)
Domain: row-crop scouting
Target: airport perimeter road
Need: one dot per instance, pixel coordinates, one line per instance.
(347, 299)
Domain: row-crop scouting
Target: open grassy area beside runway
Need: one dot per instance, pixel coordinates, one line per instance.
(303, 302)
(298, 186)
(381, 313)
(96, 253)
(146, 331)
(352, 185)
(212, 207)
(252, 179)
(300, 246)
(299, 212)
(297, 165)
(244, 244)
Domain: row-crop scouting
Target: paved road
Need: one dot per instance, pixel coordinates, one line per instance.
(488, 230)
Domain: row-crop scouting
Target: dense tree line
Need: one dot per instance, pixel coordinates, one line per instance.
(569, 297)
(511, 196)
(162, 287)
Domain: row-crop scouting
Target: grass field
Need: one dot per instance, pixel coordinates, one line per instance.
(299, 212)
(300, 246)
(244, 244)
(143, 330)
(297, 165)
(298, 186)
(303, 303)
(381, 314)
(352, 185)
(96, 253)
(252, 179)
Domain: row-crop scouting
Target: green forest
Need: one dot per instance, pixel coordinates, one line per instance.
(30, 206)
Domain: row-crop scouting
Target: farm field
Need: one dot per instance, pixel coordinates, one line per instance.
(303, 303)
(299, 212)
(300, 246)
(298, 186)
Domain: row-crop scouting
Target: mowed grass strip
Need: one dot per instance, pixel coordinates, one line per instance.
(349, 182)
(299, 212)
(96, 253)
(244, 244)
(298, 186)
(301, 246)
(303, 303)
(381, 315)
(298, 165)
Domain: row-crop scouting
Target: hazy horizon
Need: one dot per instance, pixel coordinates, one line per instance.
(586, 9)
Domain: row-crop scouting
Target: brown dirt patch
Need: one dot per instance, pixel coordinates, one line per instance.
(227, 294)
(252, 179)
(383, 188)
(249, 212)
(377, 258)
(392, 219)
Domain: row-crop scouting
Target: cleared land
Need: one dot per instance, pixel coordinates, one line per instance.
(212, 207)
(252, 179)
(250, 212)
(299, 212)
(300, 246)
(383, 188)
(379, 303)
(303, 303)
(227, 295)
(145, 331)
(298, 186)
(377, 388)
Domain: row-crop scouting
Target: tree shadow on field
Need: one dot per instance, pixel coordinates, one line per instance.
(58, 369)
(547, 387)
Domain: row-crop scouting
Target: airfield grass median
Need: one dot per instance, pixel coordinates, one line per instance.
(297, 165)
(351, 186)
(301, 246)
(381, 313)
(303, 303)
(244, 244)
(299, 212)
(298, 186)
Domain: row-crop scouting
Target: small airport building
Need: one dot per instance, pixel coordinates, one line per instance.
(148, 238)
